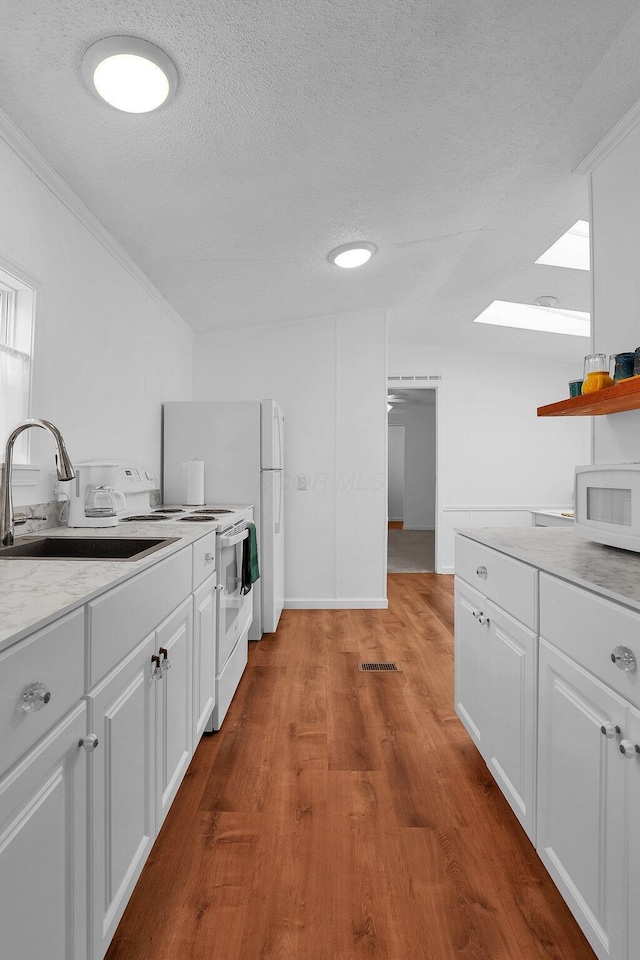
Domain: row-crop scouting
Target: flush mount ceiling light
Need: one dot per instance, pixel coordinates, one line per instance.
(570, 250)
(129, 73)
(352, 254)
(527, 316)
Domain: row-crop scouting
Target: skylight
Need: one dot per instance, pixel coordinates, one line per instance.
(571, 250)
(528, 316)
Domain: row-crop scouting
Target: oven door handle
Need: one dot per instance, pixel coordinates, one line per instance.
(234, 540)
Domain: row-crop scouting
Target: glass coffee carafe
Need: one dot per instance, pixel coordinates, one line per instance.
(102, 501)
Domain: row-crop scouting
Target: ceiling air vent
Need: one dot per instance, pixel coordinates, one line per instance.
(419, 379)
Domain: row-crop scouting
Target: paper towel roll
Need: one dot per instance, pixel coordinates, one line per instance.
(193, 482)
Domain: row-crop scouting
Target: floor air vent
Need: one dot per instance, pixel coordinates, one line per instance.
(380, 667)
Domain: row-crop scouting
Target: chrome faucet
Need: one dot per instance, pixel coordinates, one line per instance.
(63, 463)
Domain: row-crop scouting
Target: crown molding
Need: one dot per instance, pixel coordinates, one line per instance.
(608, 143)
(23, 148)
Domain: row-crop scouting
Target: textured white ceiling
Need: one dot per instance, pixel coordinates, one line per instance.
(445, 131)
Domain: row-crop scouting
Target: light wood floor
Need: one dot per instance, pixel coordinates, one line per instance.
(341, 815)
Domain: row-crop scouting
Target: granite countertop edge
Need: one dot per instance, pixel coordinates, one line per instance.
(610, 572)
(35, 593)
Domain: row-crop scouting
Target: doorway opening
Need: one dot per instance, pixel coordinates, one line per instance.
(412, 477)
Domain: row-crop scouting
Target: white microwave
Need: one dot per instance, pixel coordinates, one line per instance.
(607, 504)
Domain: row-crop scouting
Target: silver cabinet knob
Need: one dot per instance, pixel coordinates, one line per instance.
(624, 658)
(89, 743)
(165, 663)
(483, 619)
(35, 697)
(609, 730)
(477, 614)
(219, 587)
(209, 558)
(628, 749)
(482, 572)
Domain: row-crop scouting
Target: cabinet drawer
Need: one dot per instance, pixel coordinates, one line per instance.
(511, 584)
(204, 559)
(121, 618)
(587, 628)
(53, 657)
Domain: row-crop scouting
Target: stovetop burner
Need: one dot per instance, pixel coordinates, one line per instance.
(168, 510)
(214, 510)
(147, 517)
(193, 519)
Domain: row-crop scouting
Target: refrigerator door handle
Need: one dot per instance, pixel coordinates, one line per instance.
(277, 418)
(280, 499)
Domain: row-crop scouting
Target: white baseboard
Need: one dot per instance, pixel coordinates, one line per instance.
(331, 603)
(447, 570)
(417, 528)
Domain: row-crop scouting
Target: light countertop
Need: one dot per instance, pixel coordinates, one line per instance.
(608, 571)
(35, 592)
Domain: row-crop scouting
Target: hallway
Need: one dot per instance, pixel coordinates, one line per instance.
(342, 815)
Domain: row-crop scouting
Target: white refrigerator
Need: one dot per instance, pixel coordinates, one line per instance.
(242, 445)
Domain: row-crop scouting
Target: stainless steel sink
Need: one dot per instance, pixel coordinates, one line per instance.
(84, 548)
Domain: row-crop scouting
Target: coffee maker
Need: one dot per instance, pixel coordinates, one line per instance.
(93, 498)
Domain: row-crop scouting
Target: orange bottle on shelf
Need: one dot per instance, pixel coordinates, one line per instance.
(596, 373)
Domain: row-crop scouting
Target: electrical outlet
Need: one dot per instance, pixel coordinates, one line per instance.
(302, 482)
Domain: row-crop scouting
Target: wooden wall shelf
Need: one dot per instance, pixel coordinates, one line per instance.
(623, 396)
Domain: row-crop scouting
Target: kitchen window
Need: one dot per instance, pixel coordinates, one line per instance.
(17, 301)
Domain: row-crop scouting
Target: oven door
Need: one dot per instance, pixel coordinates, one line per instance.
(234, 609)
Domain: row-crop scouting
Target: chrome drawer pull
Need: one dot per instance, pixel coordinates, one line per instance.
(482, 572)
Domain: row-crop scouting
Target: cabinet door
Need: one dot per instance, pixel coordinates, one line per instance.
(122, 714)
(43, 848)
(511, 708)
(174, 731)
(631, 881)
(580, 831)
(470, 659)
(204, 655)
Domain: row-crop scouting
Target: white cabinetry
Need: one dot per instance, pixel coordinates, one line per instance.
(471, 658)
(119, 692)
(581, 786)
(43, 847)
(174, 705)
(122, 815)
(496, 670)
(564, 711)
(204, 655)
(510, 742)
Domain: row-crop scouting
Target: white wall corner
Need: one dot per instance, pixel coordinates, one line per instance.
(609, 142)
(17, 141)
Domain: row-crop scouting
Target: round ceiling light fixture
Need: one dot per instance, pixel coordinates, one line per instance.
(352, 254)
(129, 73)
(546, 301)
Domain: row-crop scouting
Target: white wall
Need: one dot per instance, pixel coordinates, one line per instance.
(496, 458)
(615, 217)
(107, 353)
(396, 470)
(329, 377)
(420, 466)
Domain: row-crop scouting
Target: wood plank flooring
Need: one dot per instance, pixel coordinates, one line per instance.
(342, 815)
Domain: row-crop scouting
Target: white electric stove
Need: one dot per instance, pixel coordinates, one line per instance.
(234, 609)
